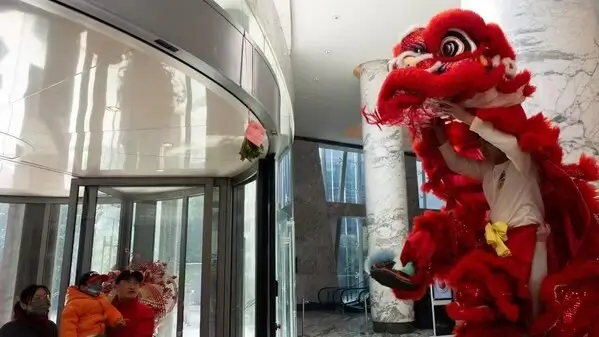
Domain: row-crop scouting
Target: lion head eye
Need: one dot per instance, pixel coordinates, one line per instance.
(418, 48)
(456, 42)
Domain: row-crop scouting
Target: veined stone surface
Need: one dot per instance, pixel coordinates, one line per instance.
(557, 41)
(386, 194)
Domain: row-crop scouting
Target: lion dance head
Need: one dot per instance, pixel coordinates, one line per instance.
(457, 57)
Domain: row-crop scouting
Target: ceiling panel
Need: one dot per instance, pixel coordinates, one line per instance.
(81, 103)
(329, 39)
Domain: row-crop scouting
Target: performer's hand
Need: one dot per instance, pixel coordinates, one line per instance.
(543, 232)
(457, 111)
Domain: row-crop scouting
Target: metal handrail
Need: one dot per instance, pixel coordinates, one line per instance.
(323, 289)
(351, 289)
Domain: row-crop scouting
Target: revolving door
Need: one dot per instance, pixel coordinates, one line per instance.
(183, 222)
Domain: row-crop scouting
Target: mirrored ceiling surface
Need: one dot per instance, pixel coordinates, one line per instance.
(75, 101)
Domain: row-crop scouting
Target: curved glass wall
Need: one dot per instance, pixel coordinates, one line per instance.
(240, 12)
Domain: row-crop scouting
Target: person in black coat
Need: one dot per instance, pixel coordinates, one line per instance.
(31, 315)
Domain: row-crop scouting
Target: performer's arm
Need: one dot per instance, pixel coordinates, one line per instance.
(507, 143)
(469, 167)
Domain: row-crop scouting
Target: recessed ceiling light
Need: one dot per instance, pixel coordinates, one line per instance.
(160, 170)
(335, 17)
(327, 51)
(316, 79)
(167, 144)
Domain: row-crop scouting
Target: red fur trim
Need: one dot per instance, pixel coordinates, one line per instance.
(571, 302)
(471, 314)
(520, 80)
(413, 35)
(497, 42)
(494, 280)
(511, 120)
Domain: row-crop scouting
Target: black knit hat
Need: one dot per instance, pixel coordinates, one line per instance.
(128, 275)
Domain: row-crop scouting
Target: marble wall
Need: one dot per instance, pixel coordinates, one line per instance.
(558, 42)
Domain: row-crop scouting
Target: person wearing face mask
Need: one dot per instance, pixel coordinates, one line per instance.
(87, 312)
(31, 315)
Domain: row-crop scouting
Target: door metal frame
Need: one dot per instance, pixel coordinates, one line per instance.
(197, 186)
(206, 263)
(65, 271)
(224, 268)
(266, 283)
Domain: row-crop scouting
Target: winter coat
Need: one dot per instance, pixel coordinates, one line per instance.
(139, 318)
(28, 327)
(85, 315)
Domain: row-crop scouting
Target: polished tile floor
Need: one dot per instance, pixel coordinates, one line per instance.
(327, 324)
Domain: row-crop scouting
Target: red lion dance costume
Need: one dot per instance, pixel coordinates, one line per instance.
(459, 58)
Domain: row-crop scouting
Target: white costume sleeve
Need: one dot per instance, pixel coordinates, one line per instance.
(507, 143)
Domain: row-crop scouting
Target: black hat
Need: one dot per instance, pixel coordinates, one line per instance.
(129, 274)
(90, 277)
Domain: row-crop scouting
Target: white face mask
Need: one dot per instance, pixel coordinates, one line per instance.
(94, 290)
(38, 306)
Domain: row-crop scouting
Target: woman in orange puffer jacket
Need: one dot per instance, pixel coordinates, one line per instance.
(87, 312)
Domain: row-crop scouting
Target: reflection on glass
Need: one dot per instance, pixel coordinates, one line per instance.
(106, 236)
(214, 260)
(284, 181)
(249, 261)
(285, 256)
(193, 267)
(426, 200)
(352, 250)
(167, 246)
(11, 228)
(55, 254)
(343, 175)
(355, 188)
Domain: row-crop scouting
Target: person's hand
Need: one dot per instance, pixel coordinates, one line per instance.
(543, 232)
(456, 111)
(122, 323)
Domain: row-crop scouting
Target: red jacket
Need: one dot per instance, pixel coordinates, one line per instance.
(139, 319)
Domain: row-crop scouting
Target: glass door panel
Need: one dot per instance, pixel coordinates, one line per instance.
(105, 247)
(245, 214)
(193, 266)
(54, 261)
(285, 243)
(159, 220)
(176, 225)
(214, 256)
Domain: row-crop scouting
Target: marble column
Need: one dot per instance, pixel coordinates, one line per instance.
(557, 41)
(386, 198)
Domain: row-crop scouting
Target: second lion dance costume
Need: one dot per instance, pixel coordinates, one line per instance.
(487, 256)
